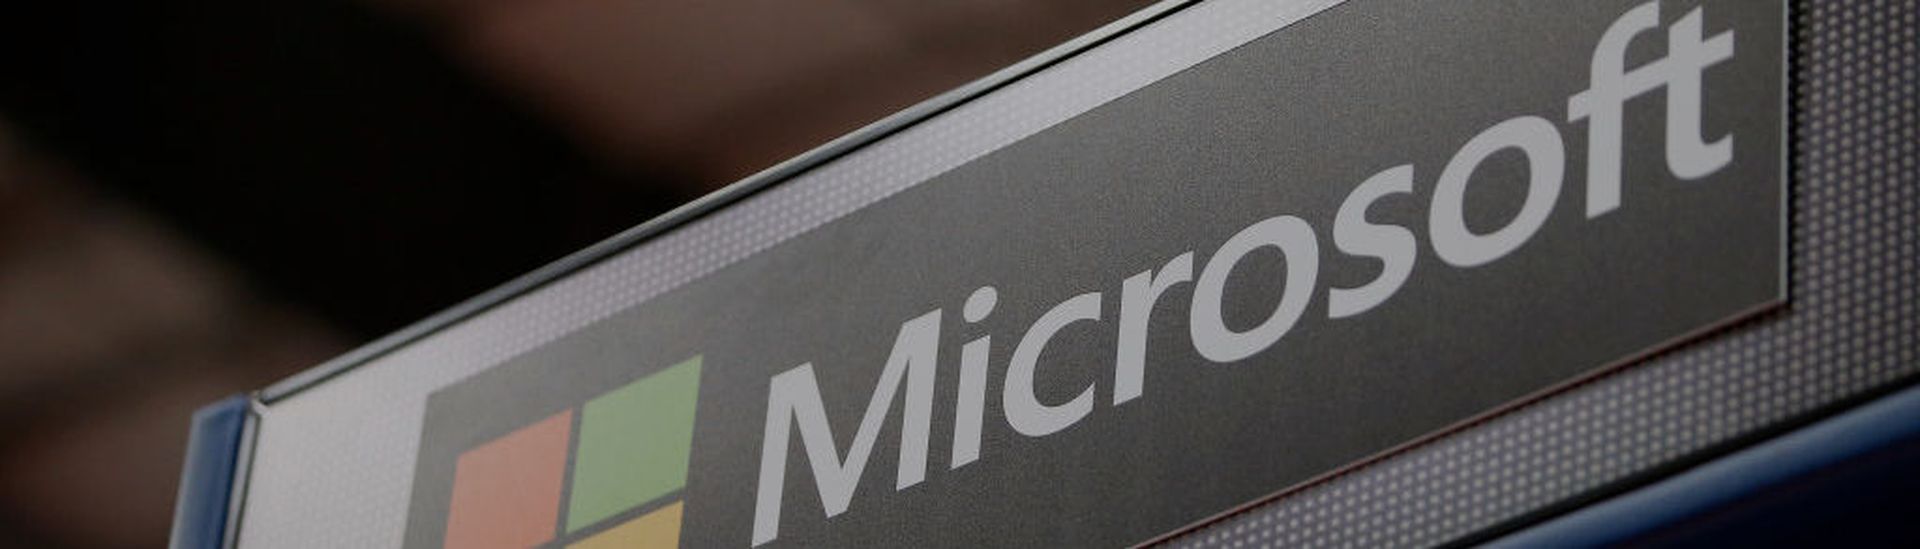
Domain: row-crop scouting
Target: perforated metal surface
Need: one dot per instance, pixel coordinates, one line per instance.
(1849, 330)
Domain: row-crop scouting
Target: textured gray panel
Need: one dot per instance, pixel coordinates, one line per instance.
(1849, 331)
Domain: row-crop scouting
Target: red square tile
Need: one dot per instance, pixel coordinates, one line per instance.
(506, 492)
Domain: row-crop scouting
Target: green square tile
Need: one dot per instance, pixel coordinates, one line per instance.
(634, 444)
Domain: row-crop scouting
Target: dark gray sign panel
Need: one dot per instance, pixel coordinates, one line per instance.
(1333, 240)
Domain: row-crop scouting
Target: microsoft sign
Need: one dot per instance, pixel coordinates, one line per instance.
(1375, 224)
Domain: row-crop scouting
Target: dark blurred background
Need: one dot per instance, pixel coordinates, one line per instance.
(200, 197)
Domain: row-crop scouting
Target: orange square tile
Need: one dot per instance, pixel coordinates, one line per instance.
(506, 492)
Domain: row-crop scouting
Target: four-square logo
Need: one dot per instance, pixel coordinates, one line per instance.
(606, 473)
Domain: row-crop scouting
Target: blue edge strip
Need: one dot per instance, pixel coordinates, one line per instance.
(1709, 488)
(206, 480)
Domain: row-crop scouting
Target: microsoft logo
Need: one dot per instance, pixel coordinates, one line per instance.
(617, 462)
